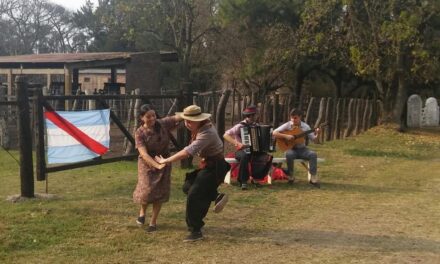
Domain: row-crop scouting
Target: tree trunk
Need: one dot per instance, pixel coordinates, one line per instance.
(220, 117)
(400, 102)
(254, 99)
(357, 116)
(299, 80)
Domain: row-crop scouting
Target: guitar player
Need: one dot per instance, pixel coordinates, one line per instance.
(293, 134)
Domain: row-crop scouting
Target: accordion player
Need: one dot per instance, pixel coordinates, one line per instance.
(257, 138)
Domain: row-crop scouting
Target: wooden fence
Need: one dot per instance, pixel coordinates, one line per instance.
(345, 116)
(29, 106)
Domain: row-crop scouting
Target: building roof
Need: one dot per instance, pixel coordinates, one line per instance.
(74, 60)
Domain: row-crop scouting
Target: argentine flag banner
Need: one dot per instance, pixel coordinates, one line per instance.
(74, 136)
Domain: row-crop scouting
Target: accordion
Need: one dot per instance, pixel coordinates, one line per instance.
(257, 138)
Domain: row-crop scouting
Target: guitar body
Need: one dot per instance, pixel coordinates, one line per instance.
(284, 144)
(299, 137)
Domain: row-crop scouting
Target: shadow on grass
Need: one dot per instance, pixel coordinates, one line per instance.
(161, 228)
(346, 187)
(325, 239)
(409, 155)
(302, 185)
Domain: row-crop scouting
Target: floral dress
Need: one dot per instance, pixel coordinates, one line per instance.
(154, 185)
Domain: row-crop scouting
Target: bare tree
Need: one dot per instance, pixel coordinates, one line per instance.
(37, 26)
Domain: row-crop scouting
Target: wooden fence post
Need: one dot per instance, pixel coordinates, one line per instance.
(288, 104)
(322, 107)
(329, 119)
(25, 139)
(91, 104)
(127, 146)
(215, 103)
(233, 107)
(370, 114)
(337, 119)
(276, 110)
(321, 113)
(350, 123)
(357, 112)
(344, 118)
(242, 104)
(309, 109)
(41, 154)
(365, 115)
(137, 105)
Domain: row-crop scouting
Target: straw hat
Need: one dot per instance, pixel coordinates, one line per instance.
(193, 113)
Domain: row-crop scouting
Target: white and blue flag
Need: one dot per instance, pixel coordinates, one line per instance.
(74, 136)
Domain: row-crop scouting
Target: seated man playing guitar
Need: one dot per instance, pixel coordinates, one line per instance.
(291, 138)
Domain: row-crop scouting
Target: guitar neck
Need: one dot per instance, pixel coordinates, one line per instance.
(304, 133)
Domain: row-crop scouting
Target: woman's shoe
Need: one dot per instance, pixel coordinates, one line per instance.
(151, 229)
(140, 220)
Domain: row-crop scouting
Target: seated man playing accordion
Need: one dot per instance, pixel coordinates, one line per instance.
(247, 138)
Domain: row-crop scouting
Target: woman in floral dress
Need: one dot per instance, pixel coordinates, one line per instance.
(154, 179)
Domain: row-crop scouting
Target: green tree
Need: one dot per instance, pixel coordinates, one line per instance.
(262, 51)
(394, 43)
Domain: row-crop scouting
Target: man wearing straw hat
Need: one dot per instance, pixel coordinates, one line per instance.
(206, 144)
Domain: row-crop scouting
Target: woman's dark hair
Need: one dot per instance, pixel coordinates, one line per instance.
(295, 112)
(143, 110)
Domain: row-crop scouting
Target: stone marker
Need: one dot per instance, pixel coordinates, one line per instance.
(414, 114)
(431, 113)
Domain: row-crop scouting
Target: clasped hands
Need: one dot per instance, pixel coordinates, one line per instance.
(161, 160)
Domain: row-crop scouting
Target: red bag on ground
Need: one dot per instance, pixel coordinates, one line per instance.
(277, 173)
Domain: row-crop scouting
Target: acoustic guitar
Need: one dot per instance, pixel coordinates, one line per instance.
(299, 137)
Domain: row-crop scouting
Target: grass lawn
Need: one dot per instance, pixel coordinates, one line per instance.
(379, 203)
